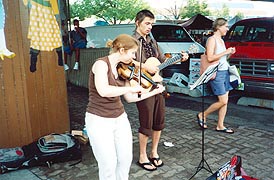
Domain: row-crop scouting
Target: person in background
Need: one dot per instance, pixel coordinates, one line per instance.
(106, 121)
(65, 33)
(78, 40)
(151, 110)
(216, 51)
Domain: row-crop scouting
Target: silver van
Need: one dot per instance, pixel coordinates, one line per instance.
(171, 38)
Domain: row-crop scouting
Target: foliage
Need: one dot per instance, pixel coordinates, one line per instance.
(240, 15)
(80, 10)
(111, 11)
(193, 8)
(224, 12)
(173, 12)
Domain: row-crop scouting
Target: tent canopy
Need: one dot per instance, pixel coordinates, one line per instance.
(198, 22)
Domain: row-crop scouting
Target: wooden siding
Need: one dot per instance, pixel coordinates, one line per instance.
(87, 58)
(31, 104)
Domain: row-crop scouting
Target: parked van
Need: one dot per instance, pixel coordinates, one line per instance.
(97, 36)
(254, 43)
(171, 38)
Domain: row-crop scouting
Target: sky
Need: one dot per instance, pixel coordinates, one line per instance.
(248, 8)
(259, 7)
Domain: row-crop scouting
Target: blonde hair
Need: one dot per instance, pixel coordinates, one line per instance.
(122, 41)
(218, 23)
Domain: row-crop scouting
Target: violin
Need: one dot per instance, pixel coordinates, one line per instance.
(131, 73)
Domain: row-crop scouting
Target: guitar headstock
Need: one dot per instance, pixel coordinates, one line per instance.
(194, 48)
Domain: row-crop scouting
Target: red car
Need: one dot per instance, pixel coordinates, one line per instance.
(254, 42)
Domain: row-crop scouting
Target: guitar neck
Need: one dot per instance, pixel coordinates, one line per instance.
(170, 61)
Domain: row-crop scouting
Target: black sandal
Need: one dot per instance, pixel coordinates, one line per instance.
(225, 130)
(201, 123)
(142, 165)
(152, 160)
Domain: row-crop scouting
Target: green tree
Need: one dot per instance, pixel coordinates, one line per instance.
(193, 8)
(240, 15)
(111, 11)
(224, 12)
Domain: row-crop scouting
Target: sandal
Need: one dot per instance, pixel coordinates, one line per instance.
(152, 160)
(200, 122)
(142, 165)
(225, 130)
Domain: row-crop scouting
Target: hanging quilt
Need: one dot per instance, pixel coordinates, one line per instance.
(44, 31)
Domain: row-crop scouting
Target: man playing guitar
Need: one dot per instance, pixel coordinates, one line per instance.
(151, 110)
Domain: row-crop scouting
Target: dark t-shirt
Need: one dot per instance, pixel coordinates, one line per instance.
(77, 37)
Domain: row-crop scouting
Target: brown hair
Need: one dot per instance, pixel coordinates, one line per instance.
(218, 23)
(122, 41)
(141, 15)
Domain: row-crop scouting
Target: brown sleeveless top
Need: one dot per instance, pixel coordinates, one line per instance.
(109, 107)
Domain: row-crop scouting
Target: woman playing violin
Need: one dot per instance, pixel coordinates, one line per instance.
(106, 121)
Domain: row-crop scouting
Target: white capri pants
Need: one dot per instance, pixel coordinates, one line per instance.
(111, 142)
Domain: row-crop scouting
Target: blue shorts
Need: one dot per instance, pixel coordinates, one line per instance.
(220, 85)
(80, 45)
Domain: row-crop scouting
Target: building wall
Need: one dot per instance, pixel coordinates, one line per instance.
(31, 104)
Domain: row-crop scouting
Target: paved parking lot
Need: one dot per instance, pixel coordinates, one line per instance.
(253, 141)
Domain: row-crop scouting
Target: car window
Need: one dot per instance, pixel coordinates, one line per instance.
(255, 32)
(168, 33)
(258, 34)
(237, 33)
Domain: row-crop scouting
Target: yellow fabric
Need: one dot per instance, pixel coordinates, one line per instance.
(44, 32)
(54, 6)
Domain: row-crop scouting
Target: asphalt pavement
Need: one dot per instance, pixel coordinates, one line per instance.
(253, 140)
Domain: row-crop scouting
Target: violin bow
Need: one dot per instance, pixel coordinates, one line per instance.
(140, 66)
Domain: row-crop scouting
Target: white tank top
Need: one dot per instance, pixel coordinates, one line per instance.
(223, 65)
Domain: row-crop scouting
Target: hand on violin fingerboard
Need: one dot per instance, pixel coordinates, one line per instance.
(137, 89)
(157, 90)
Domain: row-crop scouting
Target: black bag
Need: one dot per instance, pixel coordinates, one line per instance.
(46, 150)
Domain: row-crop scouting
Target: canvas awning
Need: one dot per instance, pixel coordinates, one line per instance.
(198, 22)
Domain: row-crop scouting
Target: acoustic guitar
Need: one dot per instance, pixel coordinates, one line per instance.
(149, 81)
(177, 58)
(152, 61)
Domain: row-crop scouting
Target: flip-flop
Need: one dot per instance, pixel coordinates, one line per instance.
(142, 165)
(226, 130)
(152, 160)
(200, 122)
